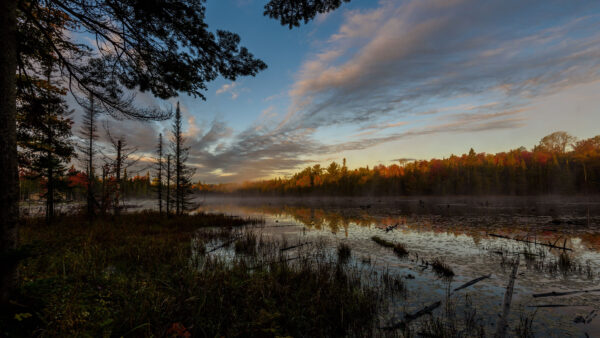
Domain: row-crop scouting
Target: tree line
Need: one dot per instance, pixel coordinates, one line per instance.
(559, 164)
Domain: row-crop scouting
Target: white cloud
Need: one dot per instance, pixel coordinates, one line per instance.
(229, 88)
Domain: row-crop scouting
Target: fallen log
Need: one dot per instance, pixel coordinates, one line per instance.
(293, 246)
(556, 294)
(410, 317)
(474, 281)
(550, 245)
(553, 305)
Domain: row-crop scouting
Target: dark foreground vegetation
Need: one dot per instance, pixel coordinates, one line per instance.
(147, 275)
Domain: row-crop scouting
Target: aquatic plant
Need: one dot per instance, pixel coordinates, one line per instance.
(398, 248)
(344, 252)
(441, 268)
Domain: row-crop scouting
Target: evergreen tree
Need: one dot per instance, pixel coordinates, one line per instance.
(43, 132)
(88, 151)
(169, 171)
(183, 174)
(159, 167)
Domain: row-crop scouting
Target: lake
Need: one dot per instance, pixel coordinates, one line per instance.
(558, 241)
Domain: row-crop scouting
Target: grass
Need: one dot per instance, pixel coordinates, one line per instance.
(344, 252)
(441, 268)
(247, 244)
(146, 275)
(398, 248)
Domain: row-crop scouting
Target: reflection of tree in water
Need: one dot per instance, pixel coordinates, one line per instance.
(476, 227)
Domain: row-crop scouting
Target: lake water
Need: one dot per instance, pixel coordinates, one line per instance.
(462, 232)
(465, 233)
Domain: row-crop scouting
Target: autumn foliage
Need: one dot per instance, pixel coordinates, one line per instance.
(557, 165)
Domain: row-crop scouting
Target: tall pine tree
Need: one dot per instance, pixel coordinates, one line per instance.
(183, 173)
(43, 132)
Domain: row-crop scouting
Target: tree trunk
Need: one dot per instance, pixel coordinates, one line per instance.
(50, 194)
(118, 174)
(169, 185)
(90, 165)
(9, 177)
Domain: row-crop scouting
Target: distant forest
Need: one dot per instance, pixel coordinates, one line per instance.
(559, 164)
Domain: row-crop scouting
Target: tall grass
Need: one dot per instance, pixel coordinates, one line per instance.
(145, 275)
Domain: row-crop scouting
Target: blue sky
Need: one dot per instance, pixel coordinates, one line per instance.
(380, 80)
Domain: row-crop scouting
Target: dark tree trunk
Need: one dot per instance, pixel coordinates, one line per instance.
(50, 194)
(168, 185)
(118, 174)
(9, 177)
(160, 165)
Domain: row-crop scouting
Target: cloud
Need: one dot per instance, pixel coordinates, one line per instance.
(391, 59)
(229, 88)
(403, 70)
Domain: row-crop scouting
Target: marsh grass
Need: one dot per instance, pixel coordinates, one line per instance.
(441, 268)
(145, 275)
(399, 248)
(343, 252)
(549, 261)
(450, 322)
(524, 328)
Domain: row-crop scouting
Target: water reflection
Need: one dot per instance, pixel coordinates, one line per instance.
(458, 234)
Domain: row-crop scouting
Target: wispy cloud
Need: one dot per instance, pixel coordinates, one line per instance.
(408, 69)
(229, 88)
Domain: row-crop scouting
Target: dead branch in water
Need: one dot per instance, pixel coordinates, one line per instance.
(410, 317)
(554, 305)
(293, 246)
(474, 281)
(550, 245)
(556, 294)
(502, 324)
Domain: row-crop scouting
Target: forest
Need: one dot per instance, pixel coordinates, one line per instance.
(559, 164)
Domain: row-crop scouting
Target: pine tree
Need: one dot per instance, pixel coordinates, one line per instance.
(43, 133)
(169, 170)
(159, 167)
(89, 134)
(183, 174)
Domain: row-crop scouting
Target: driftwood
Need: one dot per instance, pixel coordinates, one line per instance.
(427, 310)
(410, 317)
(474, 281)
(554, 305)
(502, 324)
(293, 246)
(391, 227)
(550, 245)
(556, 294)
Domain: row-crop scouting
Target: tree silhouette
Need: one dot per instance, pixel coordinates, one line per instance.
(183, 174)
(43, 132)
(160, 46)
(159, 170)
(89, 134)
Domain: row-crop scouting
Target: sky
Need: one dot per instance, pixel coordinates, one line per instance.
(377, 81)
